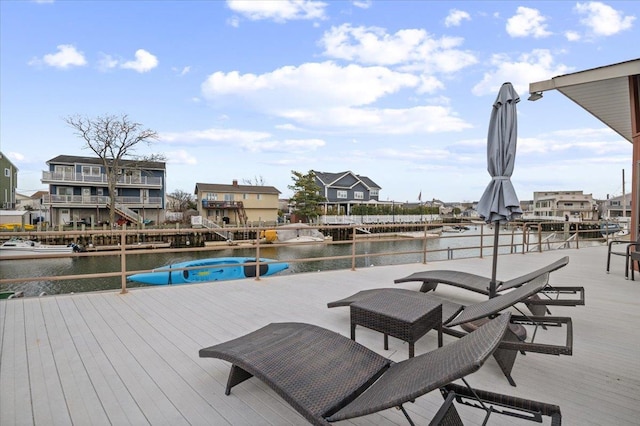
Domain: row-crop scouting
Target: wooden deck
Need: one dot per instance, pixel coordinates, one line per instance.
(106, 358)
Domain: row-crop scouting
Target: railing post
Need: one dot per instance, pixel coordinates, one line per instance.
(481, 241)
(123, 261)
(353, 247)
(257, 257)
(424, 246)
(540, 238)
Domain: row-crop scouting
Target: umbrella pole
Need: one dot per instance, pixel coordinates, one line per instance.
(492, 284)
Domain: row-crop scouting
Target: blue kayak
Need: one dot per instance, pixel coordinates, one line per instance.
(213, 269)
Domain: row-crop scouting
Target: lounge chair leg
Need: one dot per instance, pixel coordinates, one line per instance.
(407, 416)
(506, 358)
(236, 376)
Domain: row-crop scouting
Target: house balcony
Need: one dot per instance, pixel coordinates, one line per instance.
(100, 201)
(80, 179)
(210, 204)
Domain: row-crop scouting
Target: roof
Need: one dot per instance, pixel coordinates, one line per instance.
(73, 159)
(602, 91)
(236, 189)
(329, 178)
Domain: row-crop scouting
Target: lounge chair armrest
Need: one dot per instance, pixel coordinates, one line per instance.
(553, 297)
(511, 406)
(542, 348)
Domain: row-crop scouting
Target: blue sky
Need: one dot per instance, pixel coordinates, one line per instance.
(397, 91)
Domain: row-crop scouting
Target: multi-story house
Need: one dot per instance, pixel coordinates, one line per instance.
(344, 190)
(78, 191)
(564, 205)
(616, 207)
(8, 183)
(237, 204)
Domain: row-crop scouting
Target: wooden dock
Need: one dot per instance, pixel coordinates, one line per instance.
(111, 358)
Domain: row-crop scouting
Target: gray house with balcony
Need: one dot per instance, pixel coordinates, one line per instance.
(344, 190)
(78, 191)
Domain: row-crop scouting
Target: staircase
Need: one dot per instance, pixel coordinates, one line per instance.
(209, 224)
(128, 214)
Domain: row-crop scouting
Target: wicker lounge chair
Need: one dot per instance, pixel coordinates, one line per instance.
(537, 304)
(327, 377)
(456, 314)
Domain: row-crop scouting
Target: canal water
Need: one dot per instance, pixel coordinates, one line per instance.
(448, 246)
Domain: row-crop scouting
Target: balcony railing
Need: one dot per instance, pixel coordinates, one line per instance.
(210, 204)
(100, 180)
(100, 201)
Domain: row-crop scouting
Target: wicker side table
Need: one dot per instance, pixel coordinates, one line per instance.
(406, 317)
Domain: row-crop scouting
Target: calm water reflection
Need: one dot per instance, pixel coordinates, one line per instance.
(369, 249)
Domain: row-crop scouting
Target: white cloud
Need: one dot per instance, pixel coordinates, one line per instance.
(535, 66)
(144, 62)
(456, 17)
(324, 84)
(15, 156)
(106, 62)
(278, 10)
(66, 57)
(399, 121)
(328, 96)
(180, 157)
(199, 137)
(527, 22)
(412, 49)
(602, 19)
(572, 35)
(293, 146)
(362, 4)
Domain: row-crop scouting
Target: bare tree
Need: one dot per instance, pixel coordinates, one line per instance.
(256, 181)
(182, 201)
(114, 140)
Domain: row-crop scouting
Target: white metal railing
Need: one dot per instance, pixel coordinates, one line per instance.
(377, 219)
(130, 180)
(100, 200)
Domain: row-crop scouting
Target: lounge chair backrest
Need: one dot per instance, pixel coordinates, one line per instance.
(523, 279)
(502, 301)
(411, 378)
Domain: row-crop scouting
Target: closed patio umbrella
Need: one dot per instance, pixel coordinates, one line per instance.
(499, 203)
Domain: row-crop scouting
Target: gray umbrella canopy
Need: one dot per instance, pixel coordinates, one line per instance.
(499, 203)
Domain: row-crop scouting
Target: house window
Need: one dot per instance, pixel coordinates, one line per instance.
(373, 193)
(91, 170)
(358, 195)
(7, 172)
(259, 196)
(99, 191)
(341, 194)
(245, 196)
(64, 190)
(211, 196)
(228, 197)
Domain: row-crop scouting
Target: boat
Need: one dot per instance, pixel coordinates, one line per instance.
(456, 228)
(212, 269)
(17, 246)
(613, 229)
(293, 233)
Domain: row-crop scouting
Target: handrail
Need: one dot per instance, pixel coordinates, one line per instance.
(478, 244)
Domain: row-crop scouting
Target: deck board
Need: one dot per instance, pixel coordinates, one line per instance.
(107, 358)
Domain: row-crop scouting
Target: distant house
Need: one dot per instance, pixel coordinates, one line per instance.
(78, 190)
(237, 204)
(616, 207)
(564, 204)
(8, 183)
(344, 190)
